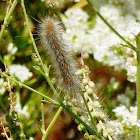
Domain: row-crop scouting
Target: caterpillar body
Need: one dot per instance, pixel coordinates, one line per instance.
(50, 32)
(52, 41)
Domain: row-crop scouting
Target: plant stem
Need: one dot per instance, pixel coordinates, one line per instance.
(81, 121)
(31, 36)
(138, 85)
(89, 112)
(8, 17)
(50, 84)
(29, 88)
(45, 134)
(96, 11)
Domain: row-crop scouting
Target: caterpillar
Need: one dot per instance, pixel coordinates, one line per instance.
(50, 31)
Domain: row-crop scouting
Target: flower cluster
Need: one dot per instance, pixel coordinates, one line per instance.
(20, 71)
(76, 34)
(105, 46)
(125, 124)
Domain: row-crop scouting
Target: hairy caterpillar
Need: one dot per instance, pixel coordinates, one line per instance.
(50, 32)
(51, 38)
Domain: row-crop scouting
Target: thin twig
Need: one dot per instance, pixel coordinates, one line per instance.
(45, 134)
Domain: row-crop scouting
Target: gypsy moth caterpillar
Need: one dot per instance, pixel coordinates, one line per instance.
(50, 32)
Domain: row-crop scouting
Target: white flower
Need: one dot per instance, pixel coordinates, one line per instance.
(20, 71)
(119, 110)
(129, 118)
(131, 73)
(125, 125)
(2, 88)
(76, 0)
(22, 112)
(11, 48)
(76, 28)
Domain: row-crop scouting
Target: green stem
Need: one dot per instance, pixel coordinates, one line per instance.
(96, 11)
(46, 74)
(50, 84)
(29, 88)
(89, 112)
(52, 123)
(8, 17)
(81, 121)
(138, 84)
(31, 36)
